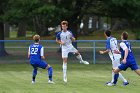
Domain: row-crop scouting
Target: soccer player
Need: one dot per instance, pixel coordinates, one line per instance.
(65, 38)
(128, 58)
(36, 56)
(111, 45)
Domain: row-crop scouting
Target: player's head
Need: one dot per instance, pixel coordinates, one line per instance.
(107, 33)
(124, 36)
(36, 38)
(64, 25)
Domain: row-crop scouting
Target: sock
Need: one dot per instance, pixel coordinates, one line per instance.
(122, 78)
(64, 70)
(79, 57)
(116, 78)
(112, 77)
(50, 71)
(34, 74)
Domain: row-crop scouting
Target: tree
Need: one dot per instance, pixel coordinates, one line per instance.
(2, 49)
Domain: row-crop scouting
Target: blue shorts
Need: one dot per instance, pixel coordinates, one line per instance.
(132, 65)
(40, 64)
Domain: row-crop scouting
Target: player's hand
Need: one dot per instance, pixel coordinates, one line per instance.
(72, 38)
(101, 52)
(117, 52)
(124, 61)
(62, 43)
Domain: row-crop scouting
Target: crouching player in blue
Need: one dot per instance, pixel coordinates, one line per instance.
(36, 56)
(128, 58)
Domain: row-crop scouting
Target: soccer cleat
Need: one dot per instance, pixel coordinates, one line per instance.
(65, 79)
(107, 82)
(125, 83)
(110, 84)
(51, 82)
(84, 62)
(33, 82)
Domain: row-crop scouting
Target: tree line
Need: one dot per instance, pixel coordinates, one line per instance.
(38, 15)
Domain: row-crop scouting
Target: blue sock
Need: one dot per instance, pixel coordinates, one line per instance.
(34, 74)
(50, 71)
(116, 78)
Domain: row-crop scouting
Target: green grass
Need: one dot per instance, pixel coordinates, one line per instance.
(16, 78)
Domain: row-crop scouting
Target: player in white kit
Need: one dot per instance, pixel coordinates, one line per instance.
(111, 47)
(65, 38)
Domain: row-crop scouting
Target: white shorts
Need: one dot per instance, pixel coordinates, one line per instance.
(115, 63)
(66, 51)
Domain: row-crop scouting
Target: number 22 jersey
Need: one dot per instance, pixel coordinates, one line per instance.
(35, 52)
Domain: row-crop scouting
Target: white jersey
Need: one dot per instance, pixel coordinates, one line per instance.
(112, 45)
(67, 46)
(66, 38)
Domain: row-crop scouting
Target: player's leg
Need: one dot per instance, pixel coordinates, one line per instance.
(34, 73)
(115, 64)
(44, 65)
(78, 55)
(112, 76)
(50, 73)
(116, 75)
(117, 70)
(125, 82)
(138, 71)
(135, 68)
(64, 69)
(64, 66)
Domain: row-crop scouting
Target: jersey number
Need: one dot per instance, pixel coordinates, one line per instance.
(34, 50)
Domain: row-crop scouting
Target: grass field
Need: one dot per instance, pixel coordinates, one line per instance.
(16, 78)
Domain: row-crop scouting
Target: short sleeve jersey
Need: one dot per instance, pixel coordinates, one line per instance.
(123, 46)
(36, 51)
(65, 37)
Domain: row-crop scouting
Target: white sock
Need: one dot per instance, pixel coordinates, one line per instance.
(122, 78)
(112, 77)
(64, 70)
(79, 57)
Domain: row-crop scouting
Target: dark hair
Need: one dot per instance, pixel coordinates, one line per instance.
(125, 35)
(36, 40)
(108, 33)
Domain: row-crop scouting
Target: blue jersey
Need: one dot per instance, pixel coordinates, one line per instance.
(35, 52)
(123, 45)
(130, 60)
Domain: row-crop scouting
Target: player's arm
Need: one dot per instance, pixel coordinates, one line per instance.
(58, 39)
(124, 47)
(42, 53)
(104, 51)
(72, 37)
(59, 42)
(107, 48)
(29, 52)
(125, 55)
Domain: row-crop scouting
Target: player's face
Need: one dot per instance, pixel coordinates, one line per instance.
(105, 35)
(64, 27)
(121, 37)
